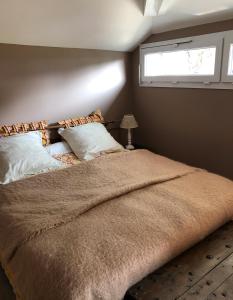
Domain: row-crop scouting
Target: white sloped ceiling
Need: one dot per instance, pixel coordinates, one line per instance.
(92, 24)
(183, 13)
(118, 25)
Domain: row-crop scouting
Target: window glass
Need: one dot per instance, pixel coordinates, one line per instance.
(230, 67)
(188, 62)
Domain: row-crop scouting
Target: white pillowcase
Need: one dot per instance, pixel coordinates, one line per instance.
(58, 148)
(22, 155)
(90, 140)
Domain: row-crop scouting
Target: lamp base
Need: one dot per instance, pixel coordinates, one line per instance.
(129, 147)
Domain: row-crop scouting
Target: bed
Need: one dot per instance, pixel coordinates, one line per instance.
(92, 230)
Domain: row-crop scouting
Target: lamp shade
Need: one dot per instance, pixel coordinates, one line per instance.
(129, 122)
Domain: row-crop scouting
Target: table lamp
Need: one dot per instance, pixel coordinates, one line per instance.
(129, 122)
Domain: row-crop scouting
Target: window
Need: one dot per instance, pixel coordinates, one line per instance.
(190, 62)
(227, 70)
(230, 66)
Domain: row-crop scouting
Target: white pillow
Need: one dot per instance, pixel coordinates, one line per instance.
(90, 140)
(58, 148)
(22, 155)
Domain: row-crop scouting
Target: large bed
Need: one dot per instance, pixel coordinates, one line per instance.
(93, 230)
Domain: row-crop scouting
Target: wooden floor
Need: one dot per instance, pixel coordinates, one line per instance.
(203, 272)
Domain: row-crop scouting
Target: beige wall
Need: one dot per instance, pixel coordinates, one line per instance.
(55, 83)
(190, 125)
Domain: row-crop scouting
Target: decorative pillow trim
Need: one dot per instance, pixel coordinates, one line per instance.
(7, 130)
(93, 117)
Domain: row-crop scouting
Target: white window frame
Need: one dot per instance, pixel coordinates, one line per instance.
(219, 80)
(226, 57)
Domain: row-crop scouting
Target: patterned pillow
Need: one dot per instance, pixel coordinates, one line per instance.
(7, 130)
(69, 159)
(93, 117)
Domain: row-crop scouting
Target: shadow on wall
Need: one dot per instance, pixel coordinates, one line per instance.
(140, 5)
(55, 83)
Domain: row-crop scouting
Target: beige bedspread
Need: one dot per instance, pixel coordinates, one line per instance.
(91, 231)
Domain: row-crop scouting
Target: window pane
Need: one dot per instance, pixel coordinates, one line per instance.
(188, 62)
(230, 68)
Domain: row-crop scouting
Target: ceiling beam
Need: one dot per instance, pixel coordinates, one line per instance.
(152, 7)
